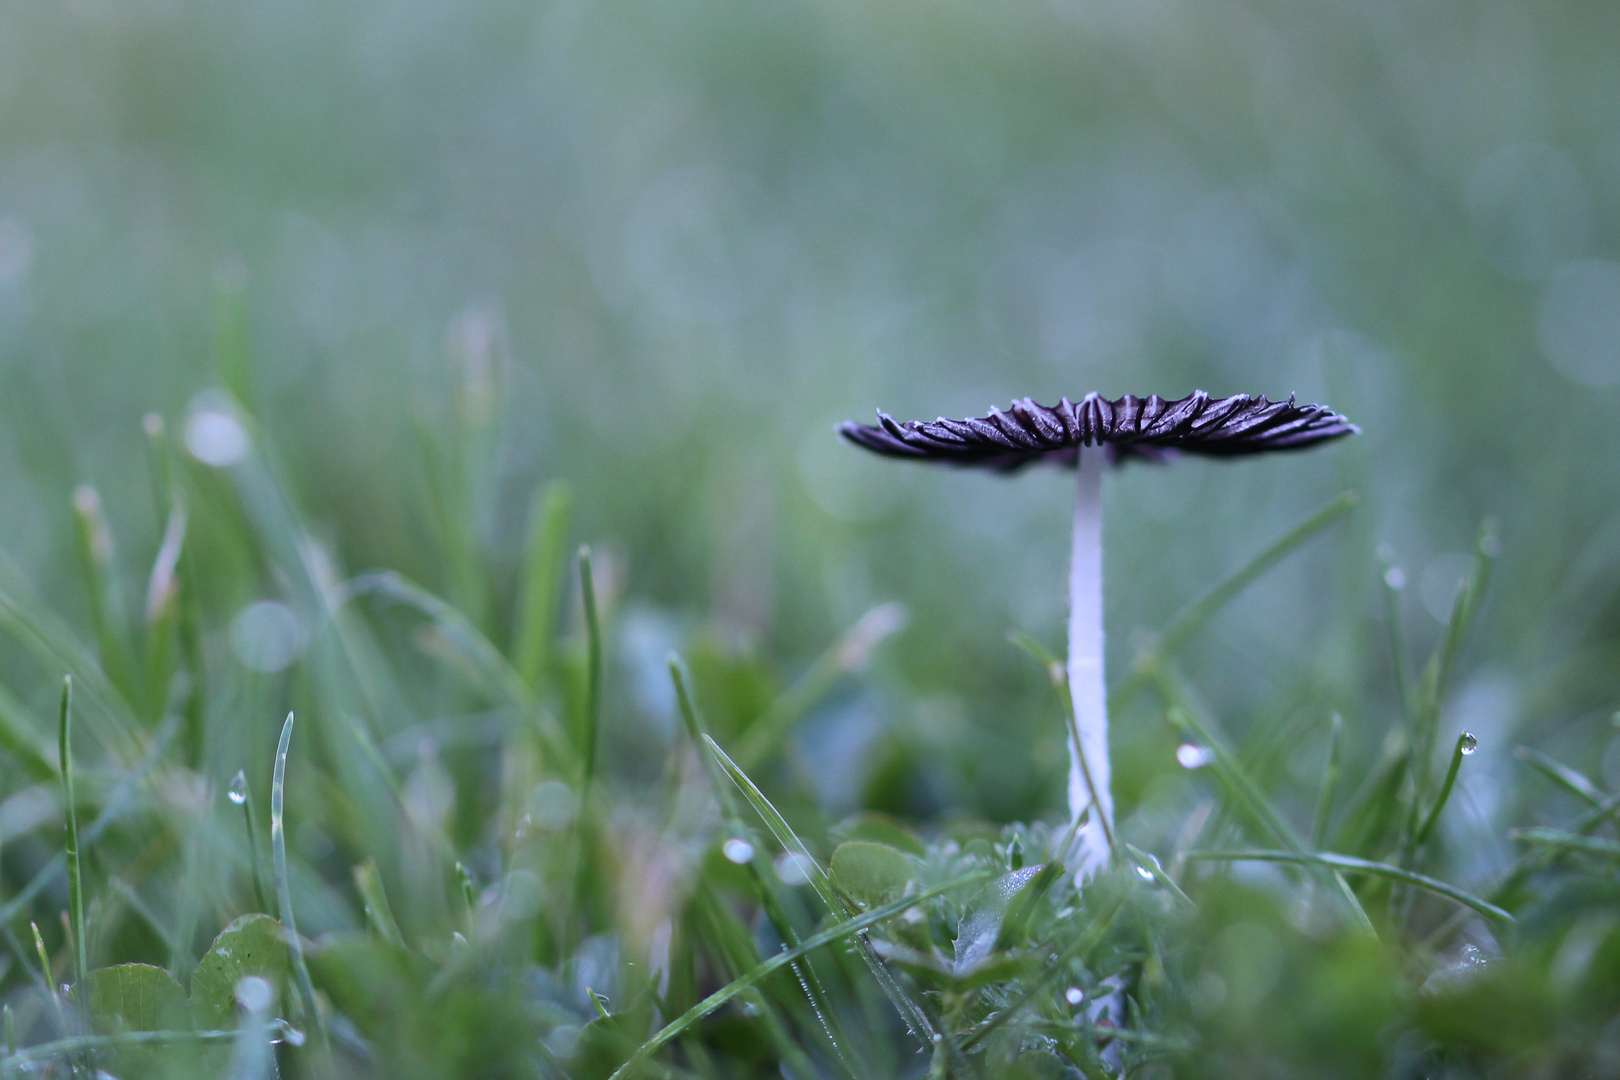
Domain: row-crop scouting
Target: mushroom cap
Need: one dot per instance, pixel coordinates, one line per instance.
(1150, 428)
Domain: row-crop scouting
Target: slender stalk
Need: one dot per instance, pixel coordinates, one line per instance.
(278, 856)
(1088, 741)
(1330, 784)
(81, 963)
(1465, 746)
(242, 794)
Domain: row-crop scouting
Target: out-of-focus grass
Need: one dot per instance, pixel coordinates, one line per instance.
(479, 284)
(489, 879)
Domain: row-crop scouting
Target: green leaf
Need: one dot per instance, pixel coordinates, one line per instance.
(139, 998)
(870, 873)
(136, 997)
(252, 945)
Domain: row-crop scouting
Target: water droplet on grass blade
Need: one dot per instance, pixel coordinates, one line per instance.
(1194, 757)
(1074, 995)
(738, 851)
(1144, 873)
(1395, 578)
(1469, 743)
(238, 789)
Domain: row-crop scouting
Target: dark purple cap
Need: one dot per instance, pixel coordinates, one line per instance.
(1149, 427)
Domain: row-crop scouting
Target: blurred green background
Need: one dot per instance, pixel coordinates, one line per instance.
(668, 245)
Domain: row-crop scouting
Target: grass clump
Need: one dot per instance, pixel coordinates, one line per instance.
(474, 871)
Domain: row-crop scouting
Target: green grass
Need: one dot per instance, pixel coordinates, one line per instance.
(516, 893)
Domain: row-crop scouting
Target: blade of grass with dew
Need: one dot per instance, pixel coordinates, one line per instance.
(540, 592)
(1058, 674)
(1436, 681)
(809, 981)
(849, 654)
(1150, 862)
(1561, 775)
(1077, 949)
(278, 852)
(1352, 865)
(733, 950)
(1329, 785)
(1187, 621)
(241, 793)
(70, 811)
(1464, 747)
(851, 927)
(1237, 780)
(911, 1012)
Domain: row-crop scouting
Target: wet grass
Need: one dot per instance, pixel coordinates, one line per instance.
(474, 873)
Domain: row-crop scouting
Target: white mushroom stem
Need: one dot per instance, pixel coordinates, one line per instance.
(1088, 739)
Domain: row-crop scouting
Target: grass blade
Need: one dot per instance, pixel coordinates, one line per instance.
(112, 810)
(1150, 862)
(1561, 775)
(241, 793)
(95, 545)
(809, 981)
(1437, 674)
(1081, 946)
(1189, 619)
(368, 883)
(1238, 781)
(278, 854)
(1330, 783)
(70, 810)
(1568, 841)
(535, 627)
(591, 705)
(1465, 746)
(1352, 865)
(162, 612)
(911, 1012)
(848, 928)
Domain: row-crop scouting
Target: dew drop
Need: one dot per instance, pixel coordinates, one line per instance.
(1395, 578)
(1194, 757)
(1074, 995)
(1469, 743)
(1144, 873)
(238, 788)
(738, 850)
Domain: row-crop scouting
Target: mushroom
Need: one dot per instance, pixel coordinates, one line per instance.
(1149, 428)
